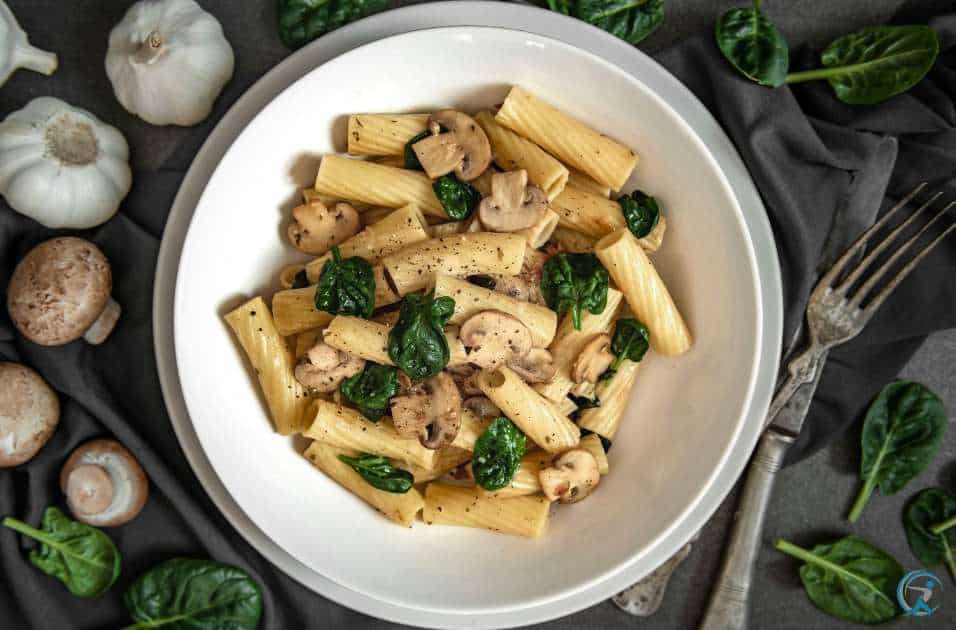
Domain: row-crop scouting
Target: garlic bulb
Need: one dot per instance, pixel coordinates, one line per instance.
(168, 60)
(16, 51)
(61, 165)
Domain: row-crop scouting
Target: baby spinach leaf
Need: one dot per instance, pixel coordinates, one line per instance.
(301, 280)
(346, 287)
(850, 579)
(630, 342)
(417, 343)
(378, 473)
(411, 160)
(371, 389)
(631, 20)
(750, 41)
(901, 433)
(926, 509)
(641, 212)
(459, 199)
(876, 63)
(80, 556)
(301, 21)
(574, 282)
(497, 455)
(186, 593)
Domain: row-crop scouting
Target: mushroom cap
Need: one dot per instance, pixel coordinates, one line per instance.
(315, 227)
(593, 360)
(128, 486)
(58, 290)
(29, 413)
(324, 368)
(475, 149)
(572, 476)
(431, 410)
(513, 204)
(535, 367)
(493, 338)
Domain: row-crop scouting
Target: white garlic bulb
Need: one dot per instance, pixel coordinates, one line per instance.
(168, 60)
(17, 52)
(61, 165)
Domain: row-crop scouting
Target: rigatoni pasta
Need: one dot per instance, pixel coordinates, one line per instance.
(376, 185)
(613, 394)
(383, 134)
(468, 507)
(606, 161)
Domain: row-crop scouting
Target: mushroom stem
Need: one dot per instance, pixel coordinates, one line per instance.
(32, 58)
(104, 324)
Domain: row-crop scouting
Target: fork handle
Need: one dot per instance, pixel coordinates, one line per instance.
(728, 608)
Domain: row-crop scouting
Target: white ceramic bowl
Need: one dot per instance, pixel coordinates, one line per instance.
(686, 413)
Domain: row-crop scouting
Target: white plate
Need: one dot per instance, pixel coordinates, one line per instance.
(690, 410)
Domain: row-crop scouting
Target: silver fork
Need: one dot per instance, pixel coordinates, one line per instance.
(840, 306)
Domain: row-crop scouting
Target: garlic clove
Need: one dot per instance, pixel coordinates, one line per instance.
(17, 52)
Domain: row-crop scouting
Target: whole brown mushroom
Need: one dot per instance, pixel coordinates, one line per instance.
(104, 484)
(60, 292)
(29, 413)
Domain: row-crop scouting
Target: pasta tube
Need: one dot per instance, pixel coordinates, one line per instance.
(468, 507)
(471, 299)
(273, 364)
(590, 214)
(573, 241)
(533, 414)
(448, 459)
(470, 430)
(513, 153)
(592, 444)
(412, 268)
(525, 480)
(539, 233)
(399, 229)
(579, 180)
(347, 428)
(646, 294)
(369, 340)
(294, 311)
(376, 185)
(568, 344)
(606, 161)
(383, 134)
(613, 394)
(401, 508)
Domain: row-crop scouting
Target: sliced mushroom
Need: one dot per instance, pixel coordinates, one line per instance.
(324, 368)
(60, 292)
(595, 358)
(315, 228)
(513, 204)
(104, 484)
(482, 407)
(29, 413)
(433, 414)
(466, 378)
(494, 338)
(572, 476)
(535, 367)
(463, 148)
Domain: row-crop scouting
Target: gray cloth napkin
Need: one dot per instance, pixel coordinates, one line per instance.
(823, 169)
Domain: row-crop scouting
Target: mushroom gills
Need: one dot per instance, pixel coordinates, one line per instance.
(104, 324)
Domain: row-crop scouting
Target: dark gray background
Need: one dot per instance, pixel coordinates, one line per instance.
(811, 497)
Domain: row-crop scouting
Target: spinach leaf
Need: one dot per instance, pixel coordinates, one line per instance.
(80, 556)
(876, 63)
(485, 282)
(459, 199)
(750, 41)
(630, 342)
(371, 389)
(605, 442)
(378, 473)
(346, 287)
(631, 20)
(926, 509)
(850, 579)
(497, 455)
(572, 282)
(641, 212)
(301, 280)
(417, 343)
(186, 593)
(411, 160)
(901, 433)
(301, 21)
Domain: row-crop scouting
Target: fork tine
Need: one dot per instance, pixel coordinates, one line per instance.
(826, 281)
(881, 247)
(880, 297)
(867, 286)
